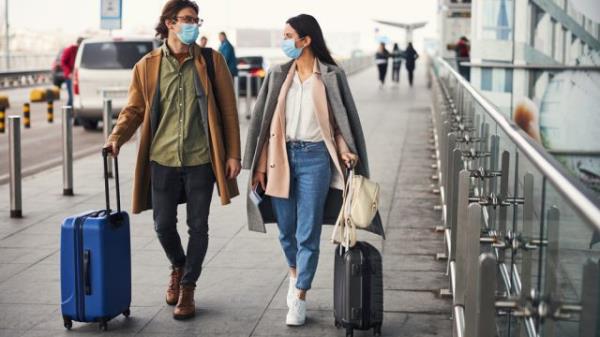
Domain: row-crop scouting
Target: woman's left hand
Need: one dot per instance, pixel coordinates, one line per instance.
(350, 159)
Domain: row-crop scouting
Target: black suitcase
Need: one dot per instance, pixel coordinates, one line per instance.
(358, 289)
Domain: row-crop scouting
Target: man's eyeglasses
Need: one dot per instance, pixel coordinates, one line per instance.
(190, 19)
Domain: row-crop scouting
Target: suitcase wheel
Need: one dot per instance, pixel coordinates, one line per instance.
(103, 325)
(377, 331)
(127, 312)
(349, 332)
(67, 322)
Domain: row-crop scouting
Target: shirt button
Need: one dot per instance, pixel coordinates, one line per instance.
(272, 165)
(180, 88)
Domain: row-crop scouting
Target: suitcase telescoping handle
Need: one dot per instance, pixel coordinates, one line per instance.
(105, 153)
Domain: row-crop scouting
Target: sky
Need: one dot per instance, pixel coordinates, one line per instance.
(73, 17)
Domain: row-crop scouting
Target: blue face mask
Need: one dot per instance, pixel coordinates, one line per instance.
(289, 48)
(188, 33)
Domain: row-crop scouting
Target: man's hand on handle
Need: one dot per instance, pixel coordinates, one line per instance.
(112, 148)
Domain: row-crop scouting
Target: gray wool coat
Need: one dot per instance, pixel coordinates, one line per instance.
(344, 110)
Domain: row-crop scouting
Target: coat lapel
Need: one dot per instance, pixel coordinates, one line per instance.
(277, 79)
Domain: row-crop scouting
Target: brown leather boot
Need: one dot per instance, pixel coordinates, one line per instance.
(173, 290)
(186, 307)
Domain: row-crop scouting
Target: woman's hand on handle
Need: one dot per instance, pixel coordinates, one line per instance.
(259, 178)
(349, 159)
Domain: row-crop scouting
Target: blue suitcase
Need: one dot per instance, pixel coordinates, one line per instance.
(95, 263)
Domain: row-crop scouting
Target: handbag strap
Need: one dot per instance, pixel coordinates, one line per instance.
(344, 225)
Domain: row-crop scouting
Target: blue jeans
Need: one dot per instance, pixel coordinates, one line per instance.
(300, 217)
(69, 84)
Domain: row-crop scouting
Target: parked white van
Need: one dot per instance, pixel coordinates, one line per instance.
(103, 68)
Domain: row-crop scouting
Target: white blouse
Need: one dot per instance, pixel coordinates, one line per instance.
(300, 115)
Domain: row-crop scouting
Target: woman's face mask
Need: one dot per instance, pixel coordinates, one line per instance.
(289, 48)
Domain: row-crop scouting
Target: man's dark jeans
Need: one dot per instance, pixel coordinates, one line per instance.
(168, 185)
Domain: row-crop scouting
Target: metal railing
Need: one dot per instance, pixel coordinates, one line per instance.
(520, 232)
(24, 78)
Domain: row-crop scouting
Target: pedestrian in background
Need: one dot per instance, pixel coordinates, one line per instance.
(397, 55)
(228, 52)
(463, 51)
(381, 60)
(67, 62)
(411, 55)
(190, 140)
(203, 41)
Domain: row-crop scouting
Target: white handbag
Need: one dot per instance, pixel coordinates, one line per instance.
(359, 207)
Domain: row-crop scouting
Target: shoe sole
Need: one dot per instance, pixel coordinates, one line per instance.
(174, 303)
(183, 317)
(294, 324)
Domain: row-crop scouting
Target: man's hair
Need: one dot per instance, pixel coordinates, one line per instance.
(169, 12)
(224, 35)
(79, 40)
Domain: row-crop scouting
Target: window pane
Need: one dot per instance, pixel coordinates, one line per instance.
(113, 55)
(486, 79)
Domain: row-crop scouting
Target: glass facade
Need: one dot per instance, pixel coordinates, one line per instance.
(497, 19)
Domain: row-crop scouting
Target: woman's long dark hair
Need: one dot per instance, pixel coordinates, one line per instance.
(307, 25)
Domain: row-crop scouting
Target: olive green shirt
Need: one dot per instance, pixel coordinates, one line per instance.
(180, 139)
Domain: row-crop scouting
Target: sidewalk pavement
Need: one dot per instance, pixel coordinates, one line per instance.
(243, 285)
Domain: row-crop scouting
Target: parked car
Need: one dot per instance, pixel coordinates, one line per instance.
(256, 67)
(103, 70)
(58, 77)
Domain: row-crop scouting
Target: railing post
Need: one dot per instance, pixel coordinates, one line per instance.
(551, 264)
(590, 300)
(526, 232)
(67, 133)
(503, 212)
(14, 150)
(107, 127)
(458, 227)
(236, 88)
(486, 295)
(248, 96)
(470, 234)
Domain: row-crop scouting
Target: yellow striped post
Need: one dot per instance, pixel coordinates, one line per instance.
(26, 115)
(2, 119)
(50, 113)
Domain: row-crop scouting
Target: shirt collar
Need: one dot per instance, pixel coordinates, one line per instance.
(316, 70)
(167, 51)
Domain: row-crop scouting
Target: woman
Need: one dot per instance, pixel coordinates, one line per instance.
(397, 55)
(411, 56)
(304, 130)
(381, 60)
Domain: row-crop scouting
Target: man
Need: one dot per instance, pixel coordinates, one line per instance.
(67, 62)
(190, 139)
(228, 52)
(463, 48)
(203, 41)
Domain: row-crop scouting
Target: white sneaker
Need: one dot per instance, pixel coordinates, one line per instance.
(291, 294)
(296, 316)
